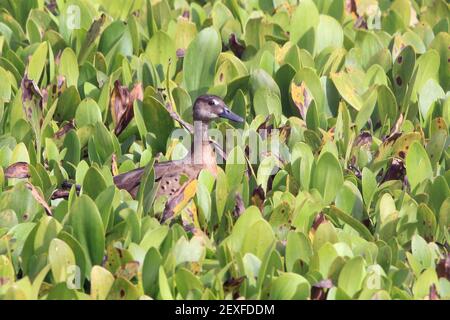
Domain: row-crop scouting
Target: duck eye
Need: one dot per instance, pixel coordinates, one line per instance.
(211, 103)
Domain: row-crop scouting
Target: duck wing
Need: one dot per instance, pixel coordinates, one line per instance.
(167, 173)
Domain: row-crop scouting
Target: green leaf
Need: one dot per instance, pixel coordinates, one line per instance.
(88, 113)
(37, 62)
(304, 22)
(290, 286)
(69, 67)
(88, 229)
(422, 285)
(329, 33)
(157, 121)
(418, 166)
(101, 283)
(351, 276)
(235, 168)
(161, 51)
(93, 183)
(327, 176)
(200, 62)
(61, 259)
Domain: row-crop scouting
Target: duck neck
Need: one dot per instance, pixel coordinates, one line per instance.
(201, 132)
(203, 151)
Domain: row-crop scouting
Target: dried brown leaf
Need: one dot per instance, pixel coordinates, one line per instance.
(39, 198)
(19, 170)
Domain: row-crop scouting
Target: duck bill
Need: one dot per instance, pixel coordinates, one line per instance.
(230, 115)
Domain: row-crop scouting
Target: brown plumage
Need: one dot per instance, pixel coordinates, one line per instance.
(173, 176)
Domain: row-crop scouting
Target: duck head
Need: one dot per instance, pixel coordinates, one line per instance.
(210, 107)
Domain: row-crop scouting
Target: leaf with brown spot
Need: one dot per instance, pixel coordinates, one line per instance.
(128, 271)
(19, 170)
(32, 103)
(258, 197)
(301, 97)
(66, 128)
(39, 198)
(401, 146)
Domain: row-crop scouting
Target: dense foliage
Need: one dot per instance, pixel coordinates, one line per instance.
(358, 207)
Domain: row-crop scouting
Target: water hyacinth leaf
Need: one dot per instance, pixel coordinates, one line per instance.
(325, 234)
(88, 113)
(369, 185)
(304, 87)
(370, 99)
(7, 273)
(93, 183)
(329, 33)
(428, 95)
(157, 121)
(352, 276)
(418, 166)
(88, 229)
(235, 168)
(341, 186)
(347, 90)
(304, 24)
(250, 216)
(302, 162)
(21, 200)
(349, 200)
(427, 69)
(61, 259)
(101, 283)
(150, 271)
(165, 292)
(298, 249)
(386, 104)
(290, 286)
(200, 62)
(441, 43)
(402, 71)
(327, 176)
(266, 102)
(122, 289)
(422, 285)
(258, 239)
(336, 213)
(187, 282)
(161, 51)
(37, 62)
(69, 67)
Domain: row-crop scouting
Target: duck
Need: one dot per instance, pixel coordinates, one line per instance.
(172, 177)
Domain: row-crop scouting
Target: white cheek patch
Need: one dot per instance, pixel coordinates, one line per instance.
(213, 115)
